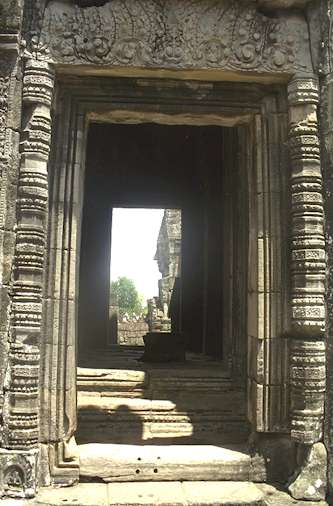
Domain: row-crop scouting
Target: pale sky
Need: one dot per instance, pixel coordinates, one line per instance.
(133, 247)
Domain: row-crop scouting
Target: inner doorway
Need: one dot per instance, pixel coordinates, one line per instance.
(123, 400)
(161, 166)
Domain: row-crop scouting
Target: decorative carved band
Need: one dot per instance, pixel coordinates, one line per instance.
(18, 473)
(307, 353)
(21, 407)
(308, 242)
(227, 35)
(307, 379)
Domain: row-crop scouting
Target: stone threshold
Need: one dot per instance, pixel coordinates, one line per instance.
(175, 493)
(128, 463)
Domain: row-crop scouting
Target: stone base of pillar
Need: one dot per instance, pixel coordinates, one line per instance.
(64, 463)
(18, 472)
(164, 347)
(310, 481)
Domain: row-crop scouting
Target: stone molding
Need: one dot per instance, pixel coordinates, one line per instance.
(22, 388)
(64, 462)
(268, 394)
(307, 378)
(308, 241)
(308, 265)
(227, 35)
(18, 473)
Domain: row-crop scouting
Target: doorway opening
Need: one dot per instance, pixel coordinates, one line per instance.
(178, 168)
(145, 273)
(122, 399)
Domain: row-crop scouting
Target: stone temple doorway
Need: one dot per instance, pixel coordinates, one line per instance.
(229, 191)
(251, 68)
(169, 401)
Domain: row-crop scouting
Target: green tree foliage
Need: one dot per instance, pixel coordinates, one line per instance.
(125, 295)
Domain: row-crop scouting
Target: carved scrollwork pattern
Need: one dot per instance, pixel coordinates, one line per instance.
(308, 242)
(18, 473)
(21, 411)
(307, 377)
(198, 34)
(4, 86)
(308, 265)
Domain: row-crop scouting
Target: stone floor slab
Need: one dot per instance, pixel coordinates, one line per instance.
(222, 493)
(164, 494)
(83, 494)
(146, 494)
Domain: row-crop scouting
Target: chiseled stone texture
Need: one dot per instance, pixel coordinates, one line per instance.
(10, 15)
(311, 482)
(165, 34)
(151, 494)
(278, 497)
(125, 463)
(164, 494)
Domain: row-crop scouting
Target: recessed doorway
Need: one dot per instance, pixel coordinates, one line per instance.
(180, 170)
(250, 246)
(157, 166)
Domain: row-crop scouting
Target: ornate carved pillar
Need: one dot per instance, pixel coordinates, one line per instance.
(21, 402)
(307, 347)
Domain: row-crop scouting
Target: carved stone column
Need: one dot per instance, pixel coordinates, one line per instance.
(21, 402)
(307, 347)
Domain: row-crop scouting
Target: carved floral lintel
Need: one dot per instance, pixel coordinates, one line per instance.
(203, 34)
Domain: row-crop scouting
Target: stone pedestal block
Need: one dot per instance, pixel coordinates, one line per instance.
(311, 482)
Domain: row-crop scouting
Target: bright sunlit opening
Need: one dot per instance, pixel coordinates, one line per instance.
(133, 247)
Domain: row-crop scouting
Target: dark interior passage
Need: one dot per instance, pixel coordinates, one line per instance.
(162, 166)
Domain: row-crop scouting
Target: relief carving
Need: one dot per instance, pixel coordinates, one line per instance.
(21, 399)
(308, 266)
(307, 380)
(18, 473)
(308, 242)
(202, 34)
(10, 15)
(4, 88)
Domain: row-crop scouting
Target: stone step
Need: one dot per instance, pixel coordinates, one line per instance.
(133, 420)
(153, 494)
(118, 463)
(127, 383)
(155, 381)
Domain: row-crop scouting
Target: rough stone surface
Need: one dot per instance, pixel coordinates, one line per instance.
(153, 494)
(193, 41)
(164, 494)
(133, 401)
(168, 463)
(311, 482)
(84, 494)
(168, 256)
(277, 496)
(215, 493)
(164, 347)
(200, 40)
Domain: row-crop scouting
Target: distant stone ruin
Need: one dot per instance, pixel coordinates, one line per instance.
(168, 257)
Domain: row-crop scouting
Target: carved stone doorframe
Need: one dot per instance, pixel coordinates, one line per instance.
(260, 114)
(50, 327)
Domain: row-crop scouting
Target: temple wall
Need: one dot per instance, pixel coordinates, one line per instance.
(131, 333)
(286, 292)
